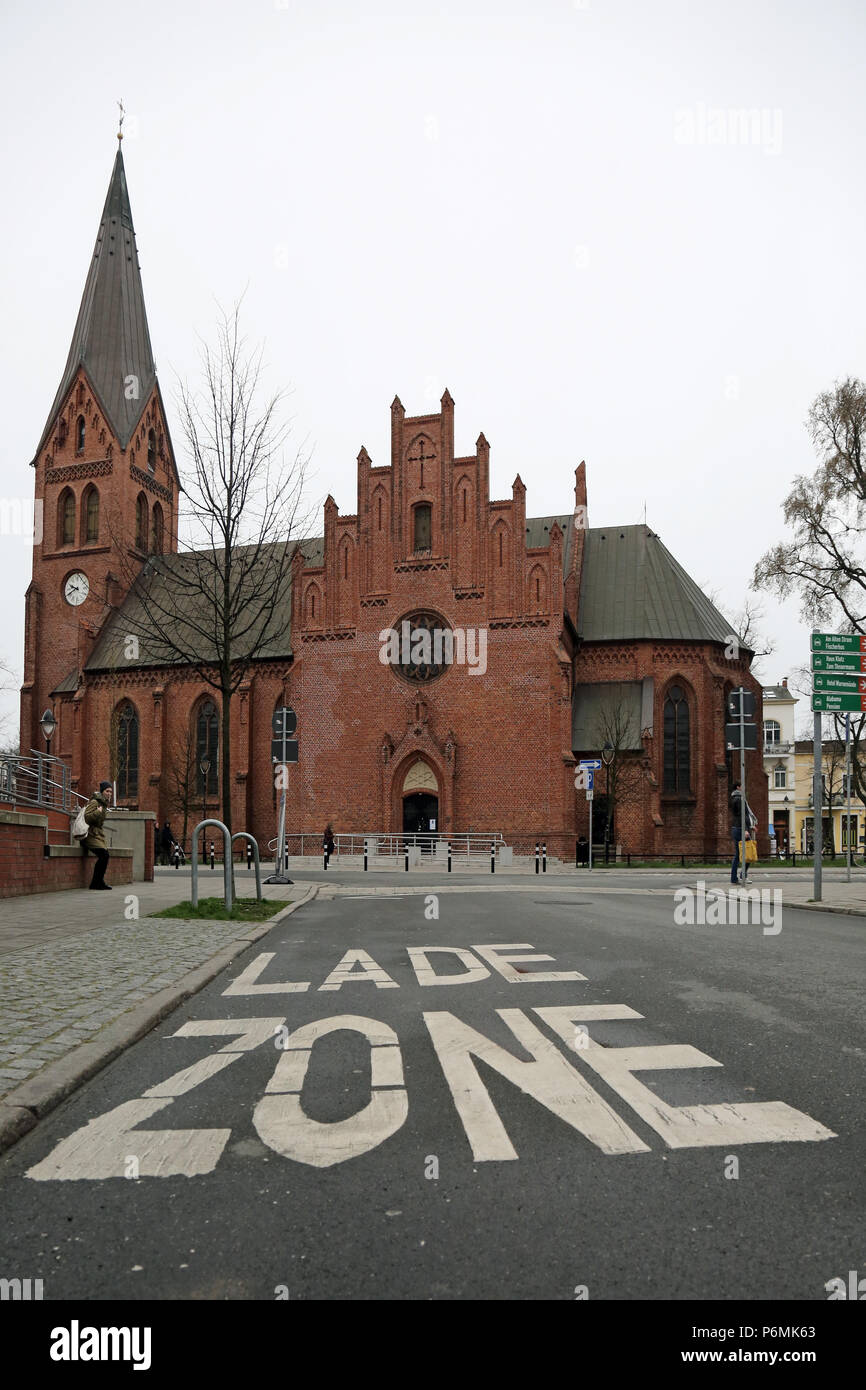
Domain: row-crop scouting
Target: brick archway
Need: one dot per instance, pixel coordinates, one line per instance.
(402, 776)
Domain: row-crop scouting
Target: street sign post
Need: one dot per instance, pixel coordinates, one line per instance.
(838, 642)
(854, 662)
(831, 680)
(284, 750)
(741, 736)
(837, 702)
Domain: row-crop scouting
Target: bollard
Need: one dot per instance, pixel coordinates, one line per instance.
(544, 858)
(176, 857)
(325, 859)
(365, 856)
(493, 856)
(249, 854)
(211, 853)
(576, 855)
(407, 859)
(449, 856)
(536, 857)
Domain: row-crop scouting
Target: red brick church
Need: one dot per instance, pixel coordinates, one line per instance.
(570, 636)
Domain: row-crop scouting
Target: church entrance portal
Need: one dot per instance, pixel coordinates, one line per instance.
(421, 815)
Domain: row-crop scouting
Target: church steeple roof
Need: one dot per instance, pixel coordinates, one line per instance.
(111, 339)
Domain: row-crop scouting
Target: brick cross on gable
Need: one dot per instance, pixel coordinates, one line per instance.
(421, 458)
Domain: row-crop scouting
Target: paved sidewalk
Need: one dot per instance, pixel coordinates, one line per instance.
(71, 963)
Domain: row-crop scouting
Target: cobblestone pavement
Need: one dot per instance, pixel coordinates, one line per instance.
(60, 991)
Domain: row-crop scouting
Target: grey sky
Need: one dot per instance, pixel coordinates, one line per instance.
(525, 202)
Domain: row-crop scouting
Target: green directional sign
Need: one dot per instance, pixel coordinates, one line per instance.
(836, 642)
(839, 661)
(822, 680)
(832, 702)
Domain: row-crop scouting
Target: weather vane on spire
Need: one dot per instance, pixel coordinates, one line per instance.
(120, 122)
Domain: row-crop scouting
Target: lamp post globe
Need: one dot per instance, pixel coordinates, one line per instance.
(48, 724)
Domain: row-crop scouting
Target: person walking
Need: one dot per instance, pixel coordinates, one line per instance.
(94, 814)
(740, 828)
(328, 842)
(166, 841)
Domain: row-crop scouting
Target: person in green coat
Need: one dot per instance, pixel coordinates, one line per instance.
(94, 813)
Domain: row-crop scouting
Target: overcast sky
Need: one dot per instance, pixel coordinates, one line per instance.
(528, 202)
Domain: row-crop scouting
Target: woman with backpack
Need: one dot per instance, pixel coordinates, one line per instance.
(94, 815)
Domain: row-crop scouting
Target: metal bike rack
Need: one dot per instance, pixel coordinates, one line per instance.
(227, 862)
(244, 835)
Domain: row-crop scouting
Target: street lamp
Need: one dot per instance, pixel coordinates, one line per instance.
(205, 769)
(607, 756)
(48, 724)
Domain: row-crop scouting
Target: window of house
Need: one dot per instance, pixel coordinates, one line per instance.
(780, 777)
(676, 741)
(772, 732)
(207, 742)
(67, 518)
(141, 522)
(423, 526)
(91, 516)
(151, 451)
(79, 435)
(126, 751)
(156, 530)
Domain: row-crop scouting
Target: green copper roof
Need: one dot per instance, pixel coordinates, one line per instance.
(111, 339)
(633, 588)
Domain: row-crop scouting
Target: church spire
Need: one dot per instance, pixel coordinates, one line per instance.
(111, 339)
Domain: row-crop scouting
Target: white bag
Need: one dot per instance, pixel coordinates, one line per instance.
(80, 828)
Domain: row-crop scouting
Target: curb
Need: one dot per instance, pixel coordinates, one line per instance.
(22, 1109)
(824, 907)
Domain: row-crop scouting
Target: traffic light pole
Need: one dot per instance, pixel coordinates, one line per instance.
(744, 803)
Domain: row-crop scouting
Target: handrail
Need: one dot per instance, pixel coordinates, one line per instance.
(392, 843)
(39, 780)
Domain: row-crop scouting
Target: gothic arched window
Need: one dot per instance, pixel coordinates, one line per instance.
(91, 514)
(207, 745)
(423, 526)
(677, 744)
(156, 530)
(126, 751)
(141, 522)
(79, 435)
(151, 451)
(66, 517)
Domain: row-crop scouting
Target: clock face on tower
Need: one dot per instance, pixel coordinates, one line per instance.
(76, 588)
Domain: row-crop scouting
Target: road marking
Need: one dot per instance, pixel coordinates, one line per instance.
(493, 955)
(282, 1124)
(101, 1147)
(344, 973)
(246, 981)
(425, 974)
(685, 1126)
(548, 1078)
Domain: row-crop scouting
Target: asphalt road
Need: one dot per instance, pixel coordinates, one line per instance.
(456, 1180)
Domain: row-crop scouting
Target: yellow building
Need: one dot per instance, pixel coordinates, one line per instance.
(835, 808)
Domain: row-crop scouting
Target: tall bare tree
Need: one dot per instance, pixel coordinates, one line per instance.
(824, 561)
(616, 729)
(181, 778)
(219, 605)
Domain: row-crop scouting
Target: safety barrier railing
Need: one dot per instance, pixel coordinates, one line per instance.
(39, 780)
